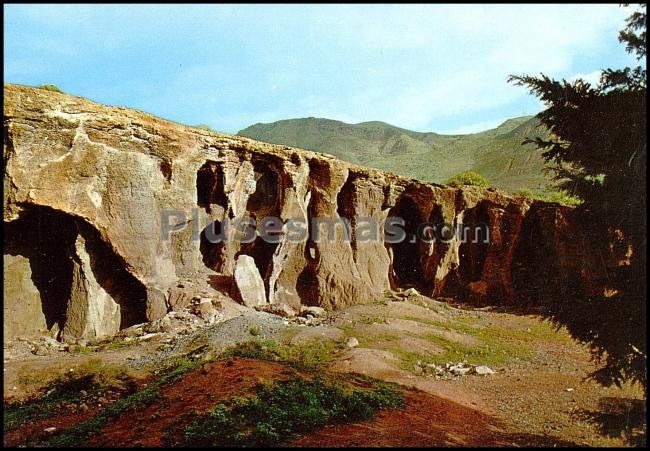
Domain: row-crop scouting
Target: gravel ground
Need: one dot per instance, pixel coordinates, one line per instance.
(217, 337)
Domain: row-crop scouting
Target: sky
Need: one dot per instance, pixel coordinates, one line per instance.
(441, 68)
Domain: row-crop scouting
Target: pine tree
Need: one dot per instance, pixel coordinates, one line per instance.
(598, 150)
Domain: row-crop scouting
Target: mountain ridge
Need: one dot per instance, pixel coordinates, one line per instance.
(499, 154)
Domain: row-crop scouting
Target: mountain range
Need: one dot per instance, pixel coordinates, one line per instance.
(498, 154)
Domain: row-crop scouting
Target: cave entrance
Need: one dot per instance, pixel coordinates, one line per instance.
(210, 188)
(38, 245)
(109, 269)
(474, 247)
(264, 203)
(536, 277)
(42, 246)
(407, 265)
(212, 246)
(210, 193)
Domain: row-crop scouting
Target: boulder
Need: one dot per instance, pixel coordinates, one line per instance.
(206, 309)
(91, 312)
(317, 312)
(249, 282)
(282, 310)
(483, 370)
(352, 342)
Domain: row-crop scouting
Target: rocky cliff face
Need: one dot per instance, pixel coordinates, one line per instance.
(89, 189)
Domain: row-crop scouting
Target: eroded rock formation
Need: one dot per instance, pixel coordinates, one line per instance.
(89, 191)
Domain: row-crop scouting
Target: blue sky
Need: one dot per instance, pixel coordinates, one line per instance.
(436, 68)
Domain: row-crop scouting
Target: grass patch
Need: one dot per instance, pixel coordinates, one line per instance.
(102, 345)
(496, 345)
(92, 376)
(540, 330)
(372, 319)
(306, 356)
(203, 127)
(119, 343)
(52, 88)
(283, 410)
(85, 350)
(427, 321)
(376, 340)
(491, 351)
(15, 415)
(76, 435)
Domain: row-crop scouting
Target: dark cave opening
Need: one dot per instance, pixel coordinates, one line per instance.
(473, 248)
(440, 246)
(166, 170)
(210, 186)
(262, 253)
(265, 201)
(212, 246)
(535, 272)
(406, 265)
(307, 286)
(210, 191)
(111, 273)
(46, 238)
(345, 207)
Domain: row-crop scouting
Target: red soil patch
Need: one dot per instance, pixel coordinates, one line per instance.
(425, 421)
(197, 391)
(32, 433)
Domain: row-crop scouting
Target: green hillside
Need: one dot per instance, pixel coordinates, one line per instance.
(497, 154)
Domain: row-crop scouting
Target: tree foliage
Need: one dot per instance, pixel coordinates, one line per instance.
(598, 150)
(468, 178)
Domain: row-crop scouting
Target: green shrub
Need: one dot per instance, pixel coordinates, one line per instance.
(281, 411)
(52, 88)
(561, 197)
(468, 178)
(204, 127)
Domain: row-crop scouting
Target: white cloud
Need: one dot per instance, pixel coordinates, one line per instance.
(425, 67)
(466, 54)
(592, 78)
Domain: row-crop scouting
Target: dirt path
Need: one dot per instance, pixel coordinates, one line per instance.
(545, 399)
